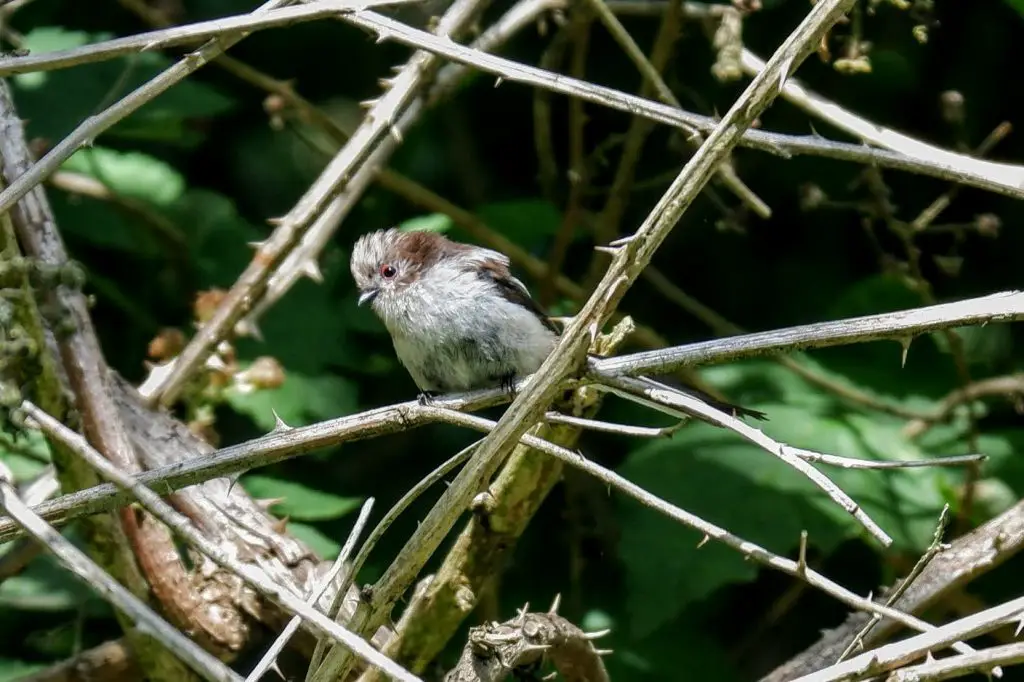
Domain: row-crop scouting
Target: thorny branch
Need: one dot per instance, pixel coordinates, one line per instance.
(900, 653)
(968, 557)
(443, 601)
(186, 529)
(531, 402)
(87, 571)
(295, 225)
(615, 292)
(285, 444)
(133, 550)
(338, 573)
(495, 650)
(913, 156)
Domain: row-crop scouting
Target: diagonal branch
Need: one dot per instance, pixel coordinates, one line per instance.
(1007, 179)
(83, 568)
(91, 128)
(278, 446)
(967, 558)
(294, 226)
(185, 529)
(529, 406)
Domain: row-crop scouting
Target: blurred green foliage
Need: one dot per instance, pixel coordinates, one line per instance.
(194, 176)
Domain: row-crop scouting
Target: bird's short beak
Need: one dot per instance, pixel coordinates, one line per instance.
(368, 295)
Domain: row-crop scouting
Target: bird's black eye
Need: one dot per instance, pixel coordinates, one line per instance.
(388, 271)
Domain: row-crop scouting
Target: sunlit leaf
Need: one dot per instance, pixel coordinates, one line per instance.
(705, 471)
(56, 101)
(432, 222)
(298, 401)
(130, 174)
(11, 669)
(45, 586)
(299, 502)
(25, 454)
(325, 547)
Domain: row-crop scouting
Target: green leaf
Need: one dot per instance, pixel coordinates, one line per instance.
(875, 294)
(216, 234)
(300, 502)
(1017, 5)
(708, 472)
(130, 174)
(325, 547)
(298, 401)
(983, 346)
(311, 331)
(98, 223)
(44, 585)
(11, 669)
(47, 39)
(905, 503)
(432, 222)
(23, 454)
(54, 102)
(528, 221)
(732, 483)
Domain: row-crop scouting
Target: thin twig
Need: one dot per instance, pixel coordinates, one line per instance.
(979, 662)
(609, 427)
(270, 656)
(1007, 179)
(1009, 385)
(806, 455)
(185, 529)
(933, 550)
(727, 174)
(371, 541)
(663, 397)
(607, 225)
(182, 35)
(442, 470)
(900, 653)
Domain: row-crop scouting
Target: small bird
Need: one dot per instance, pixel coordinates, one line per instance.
(457, 316)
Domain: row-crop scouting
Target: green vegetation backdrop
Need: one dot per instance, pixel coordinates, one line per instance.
(197, 173)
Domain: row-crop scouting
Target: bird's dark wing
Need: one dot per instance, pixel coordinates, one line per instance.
(514, 291)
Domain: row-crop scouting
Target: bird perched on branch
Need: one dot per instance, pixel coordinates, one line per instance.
(457, 316)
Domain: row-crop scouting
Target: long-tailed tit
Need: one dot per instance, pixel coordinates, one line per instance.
(458, 318)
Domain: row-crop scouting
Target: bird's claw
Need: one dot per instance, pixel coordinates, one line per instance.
(426, 398)
(508, 384)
